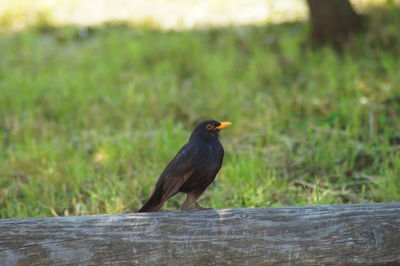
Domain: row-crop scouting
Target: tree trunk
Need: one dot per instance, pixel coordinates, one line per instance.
(330, 235)
(333, 20)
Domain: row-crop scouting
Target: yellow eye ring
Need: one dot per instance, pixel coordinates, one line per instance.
(209, 127)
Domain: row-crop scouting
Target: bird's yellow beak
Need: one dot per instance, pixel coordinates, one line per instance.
(223, 125)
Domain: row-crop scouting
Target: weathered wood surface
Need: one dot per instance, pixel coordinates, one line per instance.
(337, 234)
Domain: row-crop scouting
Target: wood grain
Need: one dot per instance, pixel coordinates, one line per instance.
(366, 234)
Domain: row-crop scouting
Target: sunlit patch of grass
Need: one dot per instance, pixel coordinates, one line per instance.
(88, 122)
(172, 14)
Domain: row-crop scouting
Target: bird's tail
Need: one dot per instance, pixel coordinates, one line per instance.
(155, 202)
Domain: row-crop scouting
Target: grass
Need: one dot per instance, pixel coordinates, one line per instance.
(89, 119)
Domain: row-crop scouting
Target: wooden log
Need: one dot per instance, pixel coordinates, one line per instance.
(366, 234)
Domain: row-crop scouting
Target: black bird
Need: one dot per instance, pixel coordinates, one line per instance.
(192, 169)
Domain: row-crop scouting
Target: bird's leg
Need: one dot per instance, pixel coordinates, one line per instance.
(190, 199)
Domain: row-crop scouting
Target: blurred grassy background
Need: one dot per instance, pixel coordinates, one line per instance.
(90, 116)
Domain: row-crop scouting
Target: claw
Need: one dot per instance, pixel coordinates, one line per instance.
(199, 208)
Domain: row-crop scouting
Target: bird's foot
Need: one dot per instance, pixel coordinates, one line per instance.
(199, 208)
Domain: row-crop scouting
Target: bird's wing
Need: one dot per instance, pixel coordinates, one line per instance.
(172, 178)
(178, 171)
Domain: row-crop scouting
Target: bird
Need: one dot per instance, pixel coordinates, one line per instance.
(192, 170)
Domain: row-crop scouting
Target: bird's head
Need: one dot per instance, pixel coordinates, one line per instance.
(209, 129)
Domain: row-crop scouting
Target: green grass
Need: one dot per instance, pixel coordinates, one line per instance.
(87, 124)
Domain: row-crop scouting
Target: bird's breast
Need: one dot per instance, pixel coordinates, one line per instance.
(206, 164)
(210, 156)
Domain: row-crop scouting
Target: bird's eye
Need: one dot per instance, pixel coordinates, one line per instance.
(209, 127)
